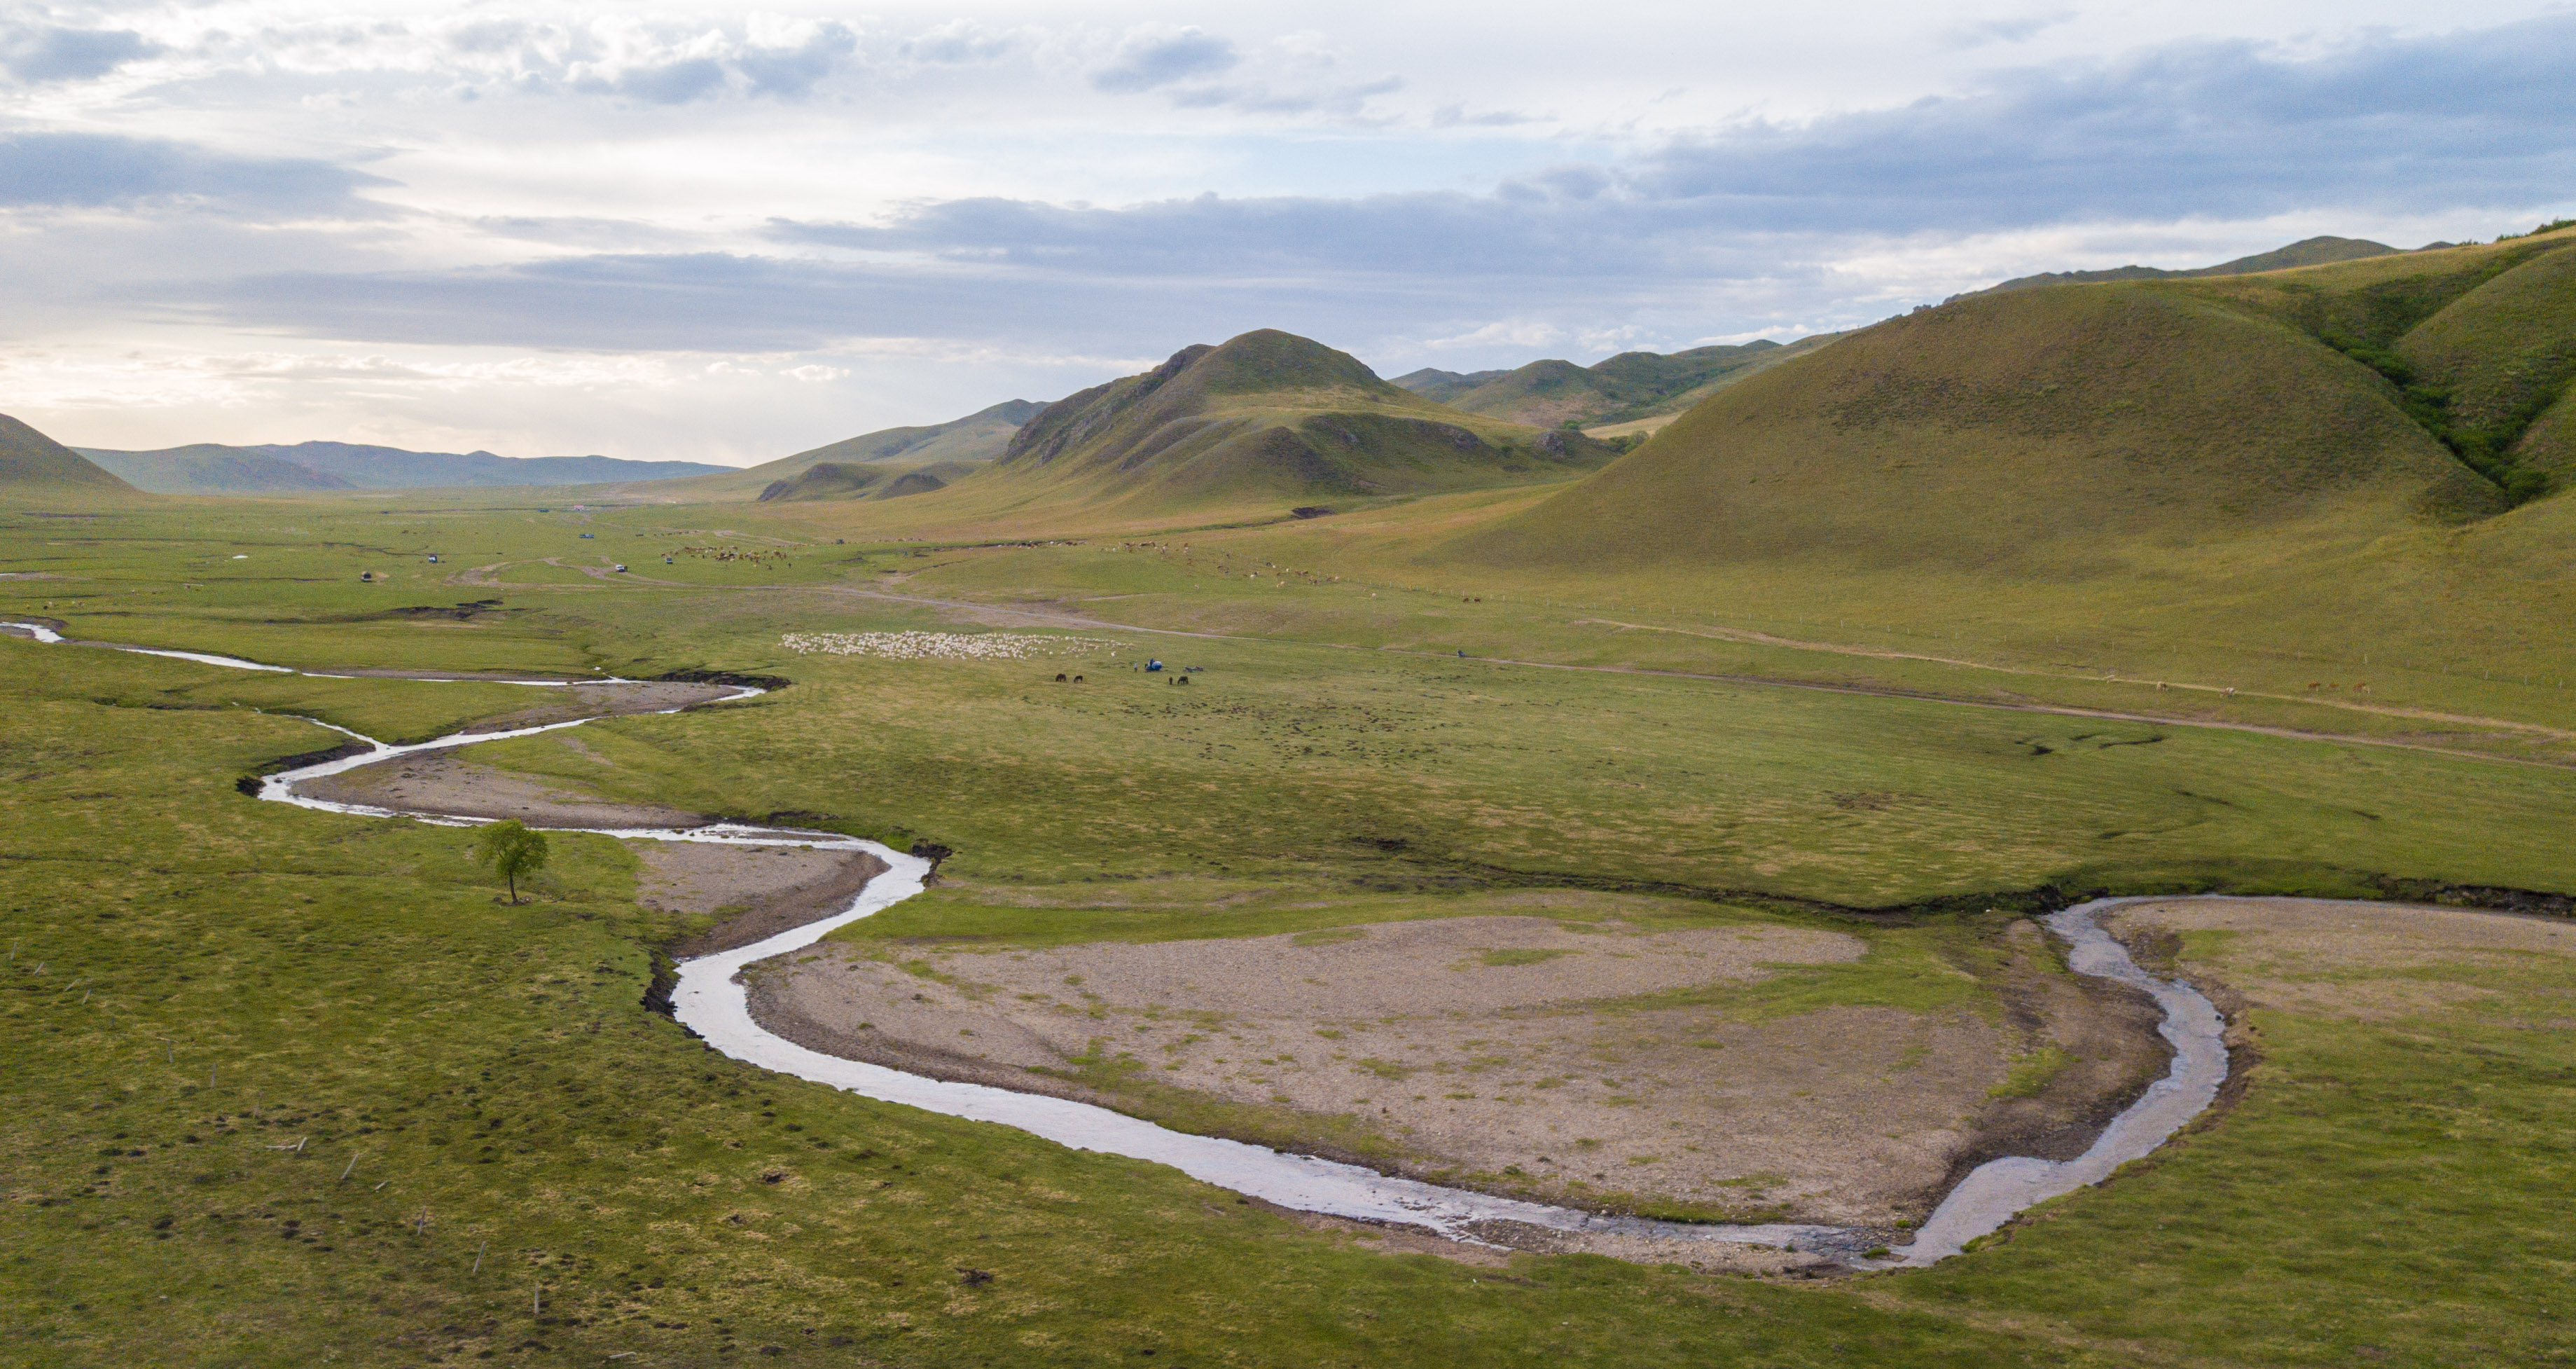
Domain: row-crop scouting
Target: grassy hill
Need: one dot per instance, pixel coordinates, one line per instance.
(32, 463)
(2475, 343)
(2167, 479)
(1266, 420)
(960, 443)
(2393, 390)
(1622, 390)
(208, 468)
(1985, 431)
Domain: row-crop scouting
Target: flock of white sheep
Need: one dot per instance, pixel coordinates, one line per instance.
(943, 646)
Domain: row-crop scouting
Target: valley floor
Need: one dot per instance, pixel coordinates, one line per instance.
(297, 1086)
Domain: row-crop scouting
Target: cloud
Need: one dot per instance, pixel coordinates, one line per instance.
(2020, 29)
(960, 42)
(671, 83)
(790, 71)
(2226, 130)
(97, 170)
(1456, 116)
(672, 66)
(39, 55)
(1158, 57)
(1719, 232)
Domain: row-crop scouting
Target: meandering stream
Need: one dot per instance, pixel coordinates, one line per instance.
(711, 1001)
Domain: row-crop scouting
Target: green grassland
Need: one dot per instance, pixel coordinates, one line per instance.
(256, 974)
(2470, 678)
(1295, 759)
(2309, 485)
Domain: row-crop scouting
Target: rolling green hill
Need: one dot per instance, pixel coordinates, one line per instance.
(1983, 432)
(32, 463)
(2397, 389)
(1266, 418)
(1623, 389)
(2215, 477)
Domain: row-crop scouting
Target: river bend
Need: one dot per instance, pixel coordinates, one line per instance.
(711, 1001)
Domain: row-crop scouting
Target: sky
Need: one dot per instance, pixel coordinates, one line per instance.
(713, 234)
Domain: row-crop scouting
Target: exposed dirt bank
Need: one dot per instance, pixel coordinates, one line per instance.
(1595, 1065)
(757, 891)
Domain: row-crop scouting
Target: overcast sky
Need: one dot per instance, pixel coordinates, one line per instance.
(675, 232)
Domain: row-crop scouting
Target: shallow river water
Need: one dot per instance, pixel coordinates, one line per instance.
(712, 1001)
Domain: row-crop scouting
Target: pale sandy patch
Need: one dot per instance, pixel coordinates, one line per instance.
(1485, 1045)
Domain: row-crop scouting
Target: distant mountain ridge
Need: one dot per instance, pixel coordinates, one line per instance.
(214, 468)
(1622, 389)
(945, 450)
(2316, 251)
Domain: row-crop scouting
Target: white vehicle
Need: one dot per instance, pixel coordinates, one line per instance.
(621, 569)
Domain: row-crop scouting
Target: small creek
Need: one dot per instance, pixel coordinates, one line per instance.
(711, 1001)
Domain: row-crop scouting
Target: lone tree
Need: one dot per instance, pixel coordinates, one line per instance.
(512, 850)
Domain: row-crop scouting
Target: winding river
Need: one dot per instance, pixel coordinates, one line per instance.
(711, 1001)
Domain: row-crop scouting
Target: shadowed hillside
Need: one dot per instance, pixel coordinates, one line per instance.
(1269, 416)
(2476, 343)
(32, 463)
